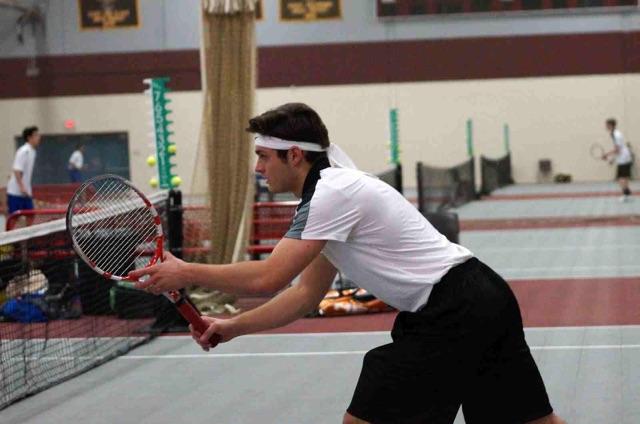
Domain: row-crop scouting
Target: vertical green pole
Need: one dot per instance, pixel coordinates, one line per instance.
(507, 147)
(470, 137)
(165, 148)
(394, 148)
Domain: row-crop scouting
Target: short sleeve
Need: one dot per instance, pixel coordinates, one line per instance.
(20, 161)
(618, 139)
(330, 215)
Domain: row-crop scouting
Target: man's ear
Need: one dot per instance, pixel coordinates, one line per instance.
(296, 155)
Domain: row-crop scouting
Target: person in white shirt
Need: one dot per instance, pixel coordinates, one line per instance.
(623, 158)
(76, 164)
(19, 190)
(458, 339)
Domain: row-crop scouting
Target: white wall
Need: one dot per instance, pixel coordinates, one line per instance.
(556, 118)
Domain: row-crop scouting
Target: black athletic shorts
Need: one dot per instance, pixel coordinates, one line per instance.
(623, 171)
(465, 347)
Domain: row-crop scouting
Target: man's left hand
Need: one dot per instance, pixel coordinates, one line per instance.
(164, 276)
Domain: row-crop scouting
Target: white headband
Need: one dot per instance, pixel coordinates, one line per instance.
(337, 157)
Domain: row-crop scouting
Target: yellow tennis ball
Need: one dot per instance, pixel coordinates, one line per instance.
(151, 160)
(172, 149)
(153, 182)
(176, 181)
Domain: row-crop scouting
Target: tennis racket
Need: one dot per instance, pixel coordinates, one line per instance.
(597, 151)
(114, 228)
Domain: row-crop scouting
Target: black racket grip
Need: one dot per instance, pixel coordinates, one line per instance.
(190, 314)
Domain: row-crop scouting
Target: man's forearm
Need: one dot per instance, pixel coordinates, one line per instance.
(239, 278)
(18, 175)
(288, 306)
(289, 259)
(291, 304)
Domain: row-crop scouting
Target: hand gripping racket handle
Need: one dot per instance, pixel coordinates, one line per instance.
(190, 314)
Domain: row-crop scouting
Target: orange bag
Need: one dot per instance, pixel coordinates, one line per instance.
(350, 302)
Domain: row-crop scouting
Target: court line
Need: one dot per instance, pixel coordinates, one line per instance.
(587, 327)
(307, 335)
(281, 354)
(387, 333)
(562, 268)
(258, 336)
(559, 248)
(339, 353)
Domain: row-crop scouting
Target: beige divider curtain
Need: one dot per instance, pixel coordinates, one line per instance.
(224, 159)
(224, 155)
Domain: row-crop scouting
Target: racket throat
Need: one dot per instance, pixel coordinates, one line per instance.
(174, 297)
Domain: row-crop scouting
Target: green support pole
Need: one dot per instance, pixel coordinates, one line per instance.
(470, 137)
(394, 148)
(507, 147)
(165, 148)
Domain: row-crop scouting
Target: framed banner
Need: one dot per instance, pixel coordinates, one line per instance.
(395, 8)
(309, 10)
(108, 14)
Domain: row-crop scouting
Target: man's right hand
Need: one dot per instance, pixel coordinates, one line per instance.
(223, 327)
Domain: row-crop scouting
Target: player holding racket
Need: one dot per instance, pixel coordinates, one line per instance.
(458, 339)
(623, 158)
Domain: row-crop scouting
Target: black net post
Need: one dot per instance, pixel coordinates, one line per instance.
(421, 206)
(399, 178)
(175, 236)
(167, 317)
(393, 177)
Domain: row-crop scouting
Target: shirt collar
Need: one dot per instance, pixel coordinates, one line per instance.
(309, 186)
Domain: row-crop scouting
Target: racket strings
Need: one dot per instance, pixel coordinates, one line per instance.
(122, 246)
(92, 243)
(116, 251)
(119, 244)
(113, 226)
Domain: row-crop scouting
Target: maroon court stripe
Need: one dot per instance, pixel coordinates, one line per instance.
(539, 196)
(544, 303)
(548, 222)
(579, 302)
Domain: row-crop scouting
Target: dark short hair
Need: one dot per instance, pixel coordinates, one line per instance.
(295, 122)
(612, 122)
(28, 132)
(79, 145)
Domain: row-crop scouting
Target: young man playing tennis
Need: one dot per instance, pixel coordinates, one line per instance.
(458, 339)
(623, 158)
(19, 190)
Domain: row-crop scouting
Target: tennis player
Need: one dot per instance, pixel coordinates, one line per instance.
(622, 156)
(458, 339)
(75, 165)
(19, 190)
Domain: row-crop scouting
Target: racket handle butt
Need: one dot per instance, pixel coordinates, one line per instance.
(214, 340)
(190, 314)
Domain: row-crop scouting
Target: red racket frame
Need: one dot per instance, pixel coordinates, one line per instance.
(182, 304)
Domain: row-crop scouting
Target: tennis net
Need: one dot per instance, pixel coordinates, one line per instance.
(495, 173)
(443, 188)
(58, 317)
(393, 177)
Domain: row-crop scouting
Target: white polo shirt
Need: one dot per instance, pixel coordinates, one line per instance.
(76, 160)
(624, 154)
(375, 237)
(24, 160)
